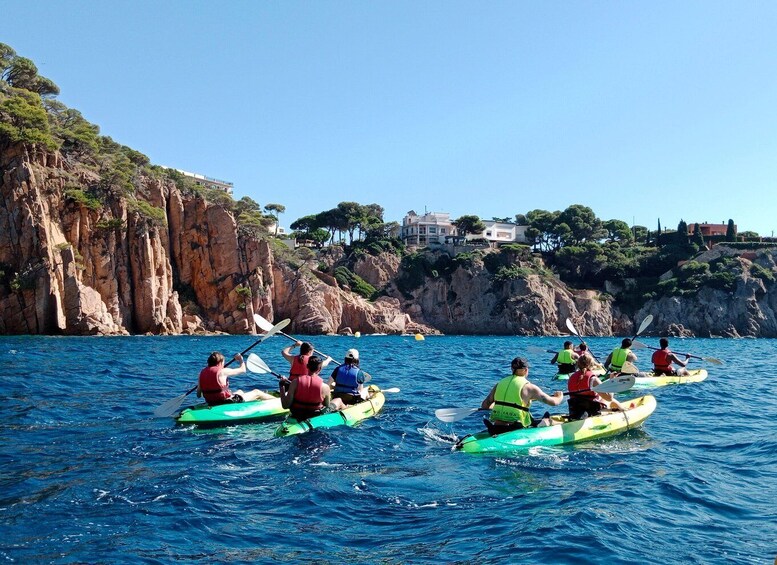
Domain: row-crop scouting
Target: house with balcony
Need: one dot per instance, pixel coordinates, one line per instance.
(708, 230)
(209, 182)
(429, 229)
(497, 233)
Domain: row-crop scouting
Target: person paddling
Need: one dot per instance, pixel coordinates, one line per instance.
(511, 398)
(213, 383)
(348, 379)
(663, 359)
(307, 395)
(565, 359)
(618, 356)
(584, 402)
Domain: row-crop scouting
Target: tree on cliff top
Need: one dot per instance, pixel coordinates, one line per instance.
(469, 224)
(275, 210)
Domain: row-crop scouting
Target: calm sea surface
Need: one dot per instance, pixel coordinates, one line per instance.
(89, 475)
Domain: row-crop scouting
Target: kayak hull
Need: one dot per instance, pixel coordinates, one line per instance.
(649, 380)
(349, 416)
(562, 432)
(203, 415)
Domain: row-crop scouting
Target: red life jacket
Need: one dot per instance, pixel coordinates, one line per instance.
(308, 397)
(212, 391)
(661, 361)
(299, 366)
(579, 381)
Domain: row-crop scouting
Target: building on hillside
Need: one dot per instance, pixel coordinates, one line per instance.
(430, 229)
(710, 229)
(497, 233)
(209, 182)
(281, 230)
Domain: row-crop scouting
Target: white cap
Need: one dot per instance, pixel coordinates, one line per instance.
(352, 354)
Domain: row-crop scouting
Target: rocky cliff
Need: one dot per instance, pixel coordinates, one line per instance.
(72, 267)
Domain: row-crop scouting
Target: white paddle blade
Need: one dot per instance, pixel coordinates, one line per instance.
(616, 384)
(255, 364)
(537, 350)
(638, 345)
(170, 407)
(645, 323)
(571, 327)
(453, 414)
(391, 390)
(712, 360)
(629, 368)
(275, 329)
(262, 323)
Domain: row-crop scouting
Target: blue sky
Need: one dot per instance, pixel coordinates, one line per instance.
(640, 110)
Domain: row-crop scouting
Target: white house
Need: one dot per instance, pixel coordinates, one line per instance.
(501, 232)
(208, 182)
(431, 228)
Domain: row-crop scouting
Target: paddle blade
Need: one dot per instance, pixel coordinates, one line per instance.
(275, 329)
(392, 390)
(537, 350)
(170, 407)
(256, 364)
(616, 384)
(571, 327)
(638, 345)
(645, 323)
(629, 368)
(262, 323)
(453, 414)
(712, 360)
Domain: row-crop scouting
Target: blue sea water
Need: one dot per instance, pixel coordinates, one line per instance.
(87, 474)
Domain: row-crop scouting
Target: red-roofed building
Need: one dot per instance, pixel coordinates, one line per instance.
(710, 229)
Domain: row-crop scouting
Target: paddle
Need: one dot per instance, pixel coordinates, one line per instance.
(264, 324)
(643, 326)
(256, 364)
(573, 329)
(713, 360)
(171, 406)
(616, 384)
(535, 349)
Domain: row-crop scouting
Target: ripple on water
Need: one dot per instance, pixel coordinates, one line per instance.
(88, 475)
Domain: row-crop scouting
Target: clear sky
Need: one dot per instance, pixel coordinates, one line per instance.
(640, 110)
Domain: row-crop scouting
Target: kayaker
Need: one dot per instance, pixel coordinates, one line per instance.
(213, 383)
(584, 402)
(307, 395)
(347, 379)
(663, 359)
(565, 359)
(510, 399)
(582, 350)
(618, 356)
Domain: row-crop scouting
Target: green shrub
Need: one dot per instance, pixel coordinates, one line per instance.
(345, 277)
(155, 215)
(77, 194)
(110, 224)
(762, 273)
(512, 272)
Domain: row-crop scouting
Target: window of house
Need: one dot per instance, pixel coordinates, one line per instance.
(488, 233)
(422, 230)
(432, 229)
(442, 230)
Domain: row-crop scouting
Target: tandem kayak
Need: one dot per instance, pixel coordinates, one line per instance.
(203, 415)
(649, 380)
(346, 417)
(559, 377)
(562, 431)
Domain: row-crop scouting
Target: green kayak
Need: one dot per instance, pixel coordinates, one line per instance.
(562, 431)
(203, 415)
(347, 417)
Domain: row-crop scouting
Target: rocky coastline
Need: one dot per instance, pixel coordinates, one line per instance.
(71, 269)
